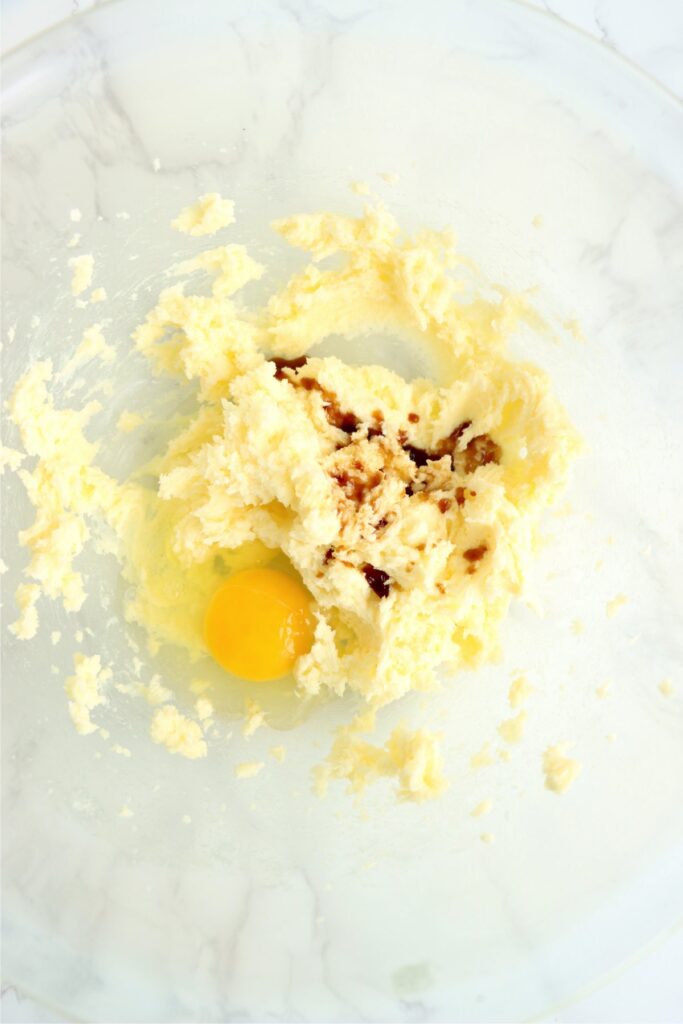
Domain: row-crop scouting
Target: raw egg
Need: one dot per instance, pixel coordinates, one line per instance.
(258, 623)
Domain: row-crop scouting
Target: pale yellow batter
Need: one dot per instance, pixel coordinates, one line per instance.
(407, 508)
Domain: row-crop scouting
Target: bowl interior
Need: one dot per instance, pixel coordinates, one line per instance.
(560, 169)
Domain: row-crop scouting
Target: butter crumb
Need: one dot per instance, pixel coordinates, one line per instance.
(254, 720)
(537, 221)
(123, 751)
(231, 265)
(125, 812)
(177, 733)
(483, 758)
(520, 690)
(92, 344)
(361, 188)
(487, 837)
(248, 769)
(666, 688)
(82, 267)
(389, 177)
(26, 626)
(577, 627)
(84, 690)
(602, 691)
(75, 215)
(73, 241)
(55, 637)
(209, 214)
(129, 421)
(156, 164)
(279, 753)
(98, 295)
(204, 709)
(155, 692)
(573, 327)
(559, 770)
(3, 567)
(512, 729)
(613, 606)
(482, 808)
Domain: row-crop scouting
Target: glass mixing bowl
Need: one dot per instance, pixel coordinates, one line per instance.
(560, 168)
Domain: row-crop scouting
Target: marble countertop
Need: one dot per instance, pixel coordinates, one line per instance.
(651, 37)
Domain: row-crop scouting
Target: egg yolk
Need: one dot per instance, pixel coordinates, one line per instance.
(258, 623)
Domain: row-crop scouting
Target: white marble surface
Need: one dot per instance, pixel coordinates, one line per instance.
(652, 37)
(649, 35)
